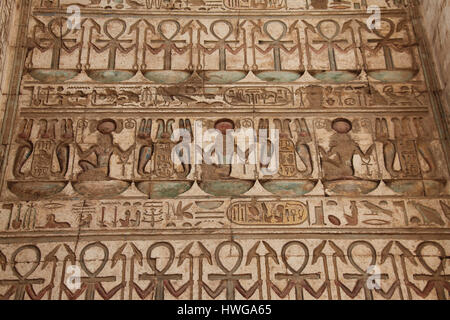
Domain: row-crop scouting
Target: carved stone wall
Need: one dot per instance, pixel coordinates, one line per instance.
(436, 22)
(6, 15)
(88, 179)
(6, 50)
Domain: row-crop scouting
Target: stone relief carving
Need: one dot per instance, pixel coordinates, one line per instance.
(122, 134)
(131, 271)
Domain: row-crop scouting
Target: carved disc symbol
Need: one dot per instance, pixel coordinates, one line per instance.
(285, 259)
(366, 244)
(58, 32)
(93, 274)
(389, 32)
(337, 29)
(119, 32)
(219, 259)
(152, 261)
(420, 255)
(223, 22)
(35, 262)
(163, 32)
(270, 33)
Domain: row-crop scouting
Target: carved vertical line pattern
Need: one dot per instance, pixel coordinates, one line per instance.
(24, 9)
(6, 13)
(440, 115)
